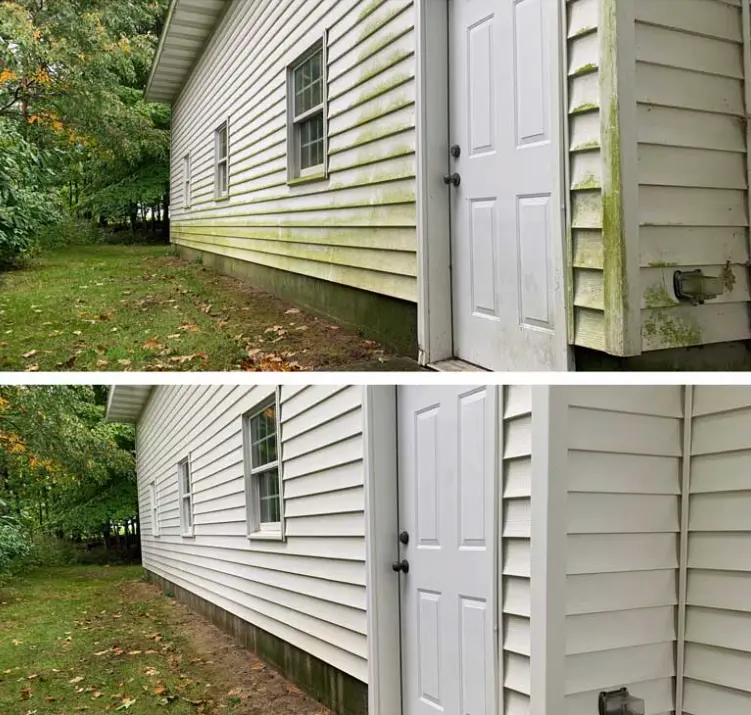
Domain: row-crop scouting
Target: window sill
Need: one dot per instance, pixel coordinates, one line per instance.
(266, 536)
(188, 535)
(221, 199)
(322, 176)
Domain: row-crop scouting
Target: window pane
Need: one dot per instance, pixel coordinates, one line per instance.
(263, 437)
(311, 142)
(268, 492)
(223, 142)
(187, 516)
(222, 178)
(308, 79)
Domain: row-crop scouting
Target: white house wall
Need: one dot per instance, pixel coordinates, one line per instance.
(624, 458)
(309, 590)
(359, 227)
(516, 534)
(718, 619)
(692, 170)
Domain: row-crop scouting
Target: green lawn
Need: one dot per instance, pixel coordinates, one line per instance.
(113, 308)
(98, 640)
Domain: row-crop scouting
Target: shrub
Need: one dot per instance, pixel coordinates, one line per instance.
(26, 204)
(70, 231)
(14, 543)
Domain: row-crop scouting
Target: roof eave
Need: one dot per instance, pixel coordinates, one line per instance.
(125, 403)
(161, 87)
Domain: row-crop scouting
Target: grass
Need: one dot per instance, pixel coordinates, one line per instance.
(96, 640)
(139, 308)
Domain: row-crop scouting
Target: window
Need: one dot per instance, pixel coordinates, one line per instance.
(262, 470)
(186, 181)
(154, 510)
(185, 488)
(222, 161)
(307, 90)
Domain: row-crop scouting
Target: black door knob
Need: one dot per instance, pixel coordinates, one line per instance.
(454, 179)
(456, 151)
(401, 566)
(404, 538)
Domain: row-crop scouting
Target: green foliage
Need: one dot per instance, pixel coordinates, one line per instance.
(70, 231)
(64, 470)
(14, 540)
(26, 202)
(72, 74)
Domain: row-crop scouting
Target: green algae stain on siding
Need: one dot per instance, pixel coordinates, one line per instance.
(667, 328)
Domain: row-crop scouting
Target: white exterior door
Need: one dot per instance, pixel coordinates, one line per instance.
(507, 242)
(447, 477)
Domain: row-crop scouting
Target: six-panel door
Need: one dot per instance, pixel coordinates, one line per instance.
(507, 271)
(447, 470)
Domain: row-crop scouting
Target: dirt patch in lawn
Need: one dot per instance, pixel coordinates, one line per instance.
(140, 308)
(252, 687)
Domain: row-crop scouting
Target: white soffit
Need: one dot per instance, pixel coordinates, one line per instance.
(190, 25)
(126, 402)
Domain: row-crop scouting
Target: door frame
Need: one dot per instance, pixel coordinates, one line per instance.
(435, 329)
(380, 463)
(383, 599)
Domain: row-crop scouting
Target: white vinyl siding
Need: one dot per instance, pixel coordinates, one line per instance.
(625, 447)
(586, 250)
(718, 618)
(359, 227)
(692, 169)
(309, 590)
(516, 534)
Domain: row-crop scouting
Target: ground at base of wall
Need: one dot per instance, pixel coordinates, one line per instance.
(134, 308)
(98, 640)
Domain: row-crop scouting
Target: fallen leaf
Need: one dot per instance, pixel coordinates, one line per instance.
(77, 679)
(96, 694)
(160, 689)
(34, 676)
(50, 699)
(77, 332)
(189, 328)
(102, 363)
(135, 652)
(125, 363)
(32, 368)
(30, 354)
(152, 344)
(126, 704)
(26, 693)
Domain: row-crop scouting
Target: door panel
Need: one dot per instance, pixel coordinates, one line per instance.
(508, 296)
(447, 477)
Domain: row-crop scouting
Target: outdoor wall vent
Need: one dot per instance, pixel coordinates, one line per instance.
(696, 288)
(620, 702)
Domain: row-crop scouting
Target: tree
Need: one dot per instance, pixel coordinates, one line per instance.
(62, 469)
(72, 75)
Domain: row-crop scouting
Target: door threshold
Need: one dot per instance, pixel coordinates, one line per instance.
(455, 365)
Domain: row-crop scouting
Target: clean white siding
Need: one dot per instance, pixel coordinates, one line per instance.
(625, 446)
(718, 618)
(692, 167)
(357, 228)
(586, 251)
(308, 591)
(516, 533)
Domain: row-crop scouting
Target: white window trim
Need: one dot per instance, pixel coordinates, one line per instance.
(154, 496)
(187, 181)
(218, 196)
(296, 175)
(182, 465)
(256, 531)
